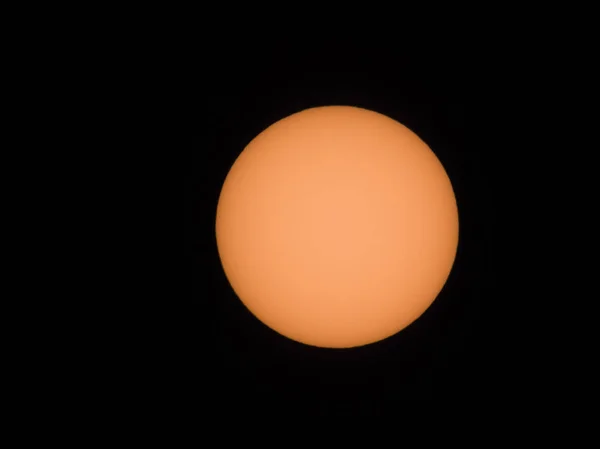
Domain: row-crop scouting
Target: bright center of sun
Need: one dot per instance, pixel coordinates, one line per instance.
(337, 227)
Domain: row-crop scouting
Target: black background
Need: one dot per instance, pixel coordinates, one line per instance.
(447, 353)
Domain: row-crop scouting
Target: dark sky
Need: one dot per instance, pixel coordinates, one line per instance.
(448, 353)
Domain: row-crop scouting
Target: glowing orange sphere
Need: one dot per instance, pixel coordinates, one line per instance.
(337, 226)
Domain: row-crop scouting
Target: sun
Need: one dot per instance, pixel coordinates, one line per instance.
(337, 226)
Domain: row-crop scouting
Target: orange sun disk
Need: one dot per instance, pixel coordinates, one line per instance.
(337, 226)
